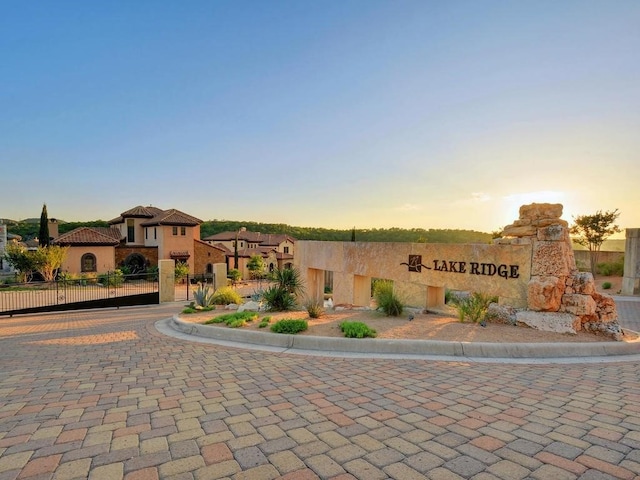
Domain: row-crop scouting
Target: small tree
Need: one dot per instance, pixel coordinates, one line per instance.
(43, 233)
(21, 260)
(235, 275)
(256, 265)
(48, 260)
(593, 230)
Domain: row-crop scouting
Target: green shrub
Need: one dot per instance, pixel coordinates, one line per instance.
(472, 307)
(606, 285)
(278, 299)
(315, 308)
(233, 320)
(152, 273)
(225, 296)
(234, 275)
(189, 310)
(111, 279)
(387, 301)
(181, 271)
(357, 330)
(611, 268)
(264, 322)
(290, 326)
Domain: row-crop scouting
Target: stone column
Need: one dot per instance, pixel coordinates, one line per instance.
(167, 279)
(631, 278)
(219, 275)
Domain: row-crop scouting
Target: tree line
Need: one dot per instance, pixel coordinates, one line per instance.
(29, 230)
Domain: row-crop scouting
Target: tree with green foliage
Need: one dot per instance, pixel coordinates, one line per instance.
(22, 262)
(256, 266)
(43, 233)
(234, 275)
(592, 230)
(45, 260)
(48, 260)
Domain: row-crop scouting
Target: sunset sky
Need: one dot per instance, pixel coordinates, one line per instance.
(336, 113)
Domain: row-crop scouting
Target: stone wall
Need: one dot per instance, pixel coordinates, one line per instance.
(559, 297)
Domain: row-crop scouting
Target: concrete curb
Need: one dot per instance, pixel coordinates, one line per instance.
(406, 347)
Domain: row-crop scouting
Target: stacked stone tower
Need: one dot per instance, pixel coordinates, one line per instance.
(559, 297)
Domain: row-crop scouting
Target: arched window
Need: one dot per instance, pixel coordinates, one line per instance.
(88, 263)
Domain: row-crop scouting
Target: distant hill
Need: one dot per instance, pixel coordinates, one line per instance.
(417, 235)
(616, 245)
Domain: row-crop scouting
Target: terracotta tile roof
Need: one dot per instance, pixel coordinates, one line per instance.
(157, 216)
(173, 217)
(217, 246)
(90, 236)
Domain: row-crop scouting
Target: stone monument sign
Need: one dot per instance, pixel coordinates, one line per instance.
(531, 270)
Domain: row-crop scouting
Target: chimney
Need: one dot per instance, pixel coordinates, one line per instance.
(53, 228)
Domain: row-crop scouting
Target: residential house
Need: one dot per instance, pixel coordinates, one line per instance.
(277, 250)
(137, 239)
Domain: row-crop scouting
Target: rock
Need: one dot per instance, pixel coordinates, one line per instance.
(552, 258)
(251, 306)
(516, 231)
(553, 233)
(536, 211)
(605, 308)
(582, 282)
(544, 293)
(502, 313)
(550, 321)
(328, 303)
(578, 304)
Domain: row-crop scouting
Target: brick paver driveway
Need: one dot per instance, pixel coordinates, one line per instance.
(103, 395)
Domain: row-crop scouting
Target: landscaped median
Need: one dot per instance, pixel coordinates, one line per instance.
(284, 342)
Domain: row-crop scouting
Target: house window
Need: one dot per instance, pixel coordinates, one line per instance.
(146, 233)
(131, 231)
(209, 268)
(183, 231)
(175, 230)
(88, 263)
(155, 233)
(286, 249)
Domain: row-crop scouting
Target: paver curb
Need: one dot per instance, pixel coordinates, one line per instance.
(407, 347)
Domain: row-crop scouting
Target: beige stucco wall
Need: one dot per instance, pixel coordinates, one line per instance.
(105, 259)
(355, 263)
(167, 243)
(631, 279)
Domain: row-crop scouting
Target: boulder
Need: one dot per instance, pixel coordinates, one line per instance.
(544, 293)
(550, 321)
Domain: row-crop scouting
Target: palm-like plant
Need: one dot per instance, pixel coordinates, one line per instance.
(286, 287)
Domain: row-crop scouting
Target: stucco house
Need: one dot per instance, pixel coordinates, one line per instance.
(138, 238)
(277, 250)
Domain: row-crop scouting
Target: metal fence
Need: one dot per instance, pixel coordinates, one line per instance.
(105, 290)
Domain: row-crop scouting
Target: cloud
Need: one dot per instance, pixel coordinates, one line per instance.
(409, 207)
(542, 196)
(480, 196)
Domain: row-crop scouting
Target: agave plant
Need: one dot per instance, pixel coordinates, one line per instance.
(203, 296)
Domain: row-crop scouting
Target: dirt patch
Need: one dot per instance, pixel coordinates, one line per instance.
(422, 327)
(615, 285)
